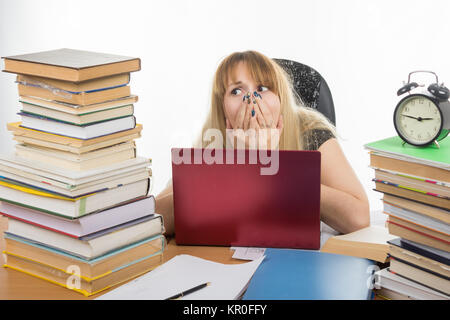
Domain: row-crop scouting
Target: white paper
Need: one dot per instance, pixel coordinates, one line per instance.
(184, 272)
(244, 253)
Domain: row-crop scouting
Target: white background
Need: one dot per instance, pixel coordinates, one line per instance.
(364, 50)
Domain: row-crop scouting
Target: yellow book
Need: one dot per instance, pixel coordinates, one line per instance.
(88, 270)
(83, 285)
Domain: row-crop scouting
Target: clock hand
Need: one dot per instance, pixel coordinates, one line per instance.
(419, 118)
(405, 115)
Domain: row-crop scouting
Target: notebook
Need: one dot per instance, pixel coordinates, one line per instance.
(227, 282)
(287, 274)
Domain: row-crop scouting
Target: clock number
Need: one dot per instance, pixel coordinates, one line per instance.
(421, 101)
(406, 109)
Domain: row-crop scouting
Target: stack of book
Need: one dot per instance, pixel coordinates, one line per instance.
(415, 184)
(75, 194)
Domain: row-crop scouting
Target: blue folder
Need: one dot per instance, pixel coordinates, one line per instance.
(288, 274)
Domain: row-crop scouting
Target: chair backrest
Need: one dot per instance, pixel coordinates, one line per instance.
(311, 87)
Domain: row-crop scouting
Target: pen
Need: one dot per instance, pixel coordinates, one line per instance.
(182, 294)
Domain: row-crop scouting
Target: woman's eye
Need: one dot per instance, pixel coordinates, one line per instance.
(262, 88)
(236, 91)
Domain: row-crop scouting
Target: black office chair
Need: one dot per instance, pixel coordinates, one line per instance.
(310, 86)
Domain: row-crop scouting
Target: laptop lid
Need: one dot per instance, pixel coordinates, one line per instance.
(246, 197)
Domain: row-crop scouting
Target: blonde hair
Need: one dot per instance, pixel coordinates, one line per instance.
(297, 118)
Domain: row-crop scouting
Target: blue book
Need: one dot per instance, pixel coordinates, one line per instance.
(288, 274)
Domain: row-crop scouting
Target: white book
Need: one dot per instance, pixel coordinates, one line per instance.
(70, 161)
(388, 280)
(417, 218)
(69, 179)
(77, 109)
(88, 249)
(72, 208)
(82, 189)
(79, 119)
(85, 225)
(81, 132)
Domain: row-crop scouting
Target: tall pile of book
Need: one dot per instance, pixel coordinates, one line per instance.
(415, 185)
(75, 194)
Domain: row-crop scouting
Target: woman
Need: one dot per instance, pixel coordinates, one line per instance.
(252, 93)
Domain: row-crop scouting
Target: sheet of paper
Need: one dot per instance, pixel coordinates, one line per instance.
(184, 272)
(244, 253)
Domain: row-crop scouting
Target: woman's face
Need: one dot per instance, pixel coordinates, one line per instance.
(243, 84)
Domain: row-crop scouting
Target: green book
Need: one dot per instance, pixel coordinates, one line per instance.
(430, 155)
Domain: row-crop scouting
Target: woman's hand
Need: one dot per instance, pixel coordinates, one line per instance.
(253, 122)
(269, 128)
(243, 122)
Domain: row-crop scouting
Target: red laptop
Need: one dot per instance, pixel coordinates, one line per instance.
(231, 203)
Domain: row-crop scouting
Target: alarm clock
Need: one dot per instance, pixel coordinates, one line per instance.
(422, 117)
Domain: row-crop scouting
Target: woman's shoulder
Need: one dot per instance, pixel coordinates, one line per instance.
(314, 138)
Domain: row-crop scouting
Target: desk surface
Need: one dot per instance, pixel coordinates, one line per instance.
(17, 285)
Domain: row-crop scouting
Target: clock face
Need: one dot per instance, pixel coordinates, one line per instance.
(418, 119)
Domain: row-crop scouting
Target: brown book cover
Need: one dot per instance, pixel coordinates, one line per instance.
(413, 195)
(71, 65)
(419, 260)
(438, 188)
(410, 231)
(419, 275)
(75, 87)
(407, 167)
(370, 243)
(75, 145)
(81, 99)
(430, 211)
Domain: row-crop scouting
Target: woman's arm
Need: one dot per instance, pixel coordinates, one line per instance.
(344, 204)
(164, 206)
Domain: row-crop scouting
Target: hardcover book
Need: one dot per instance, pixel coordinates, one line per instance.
(370, 243)
(71, 65)
(94, 245)
(88, 224)
(94, 268)
(90, 131)
(74, 145)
